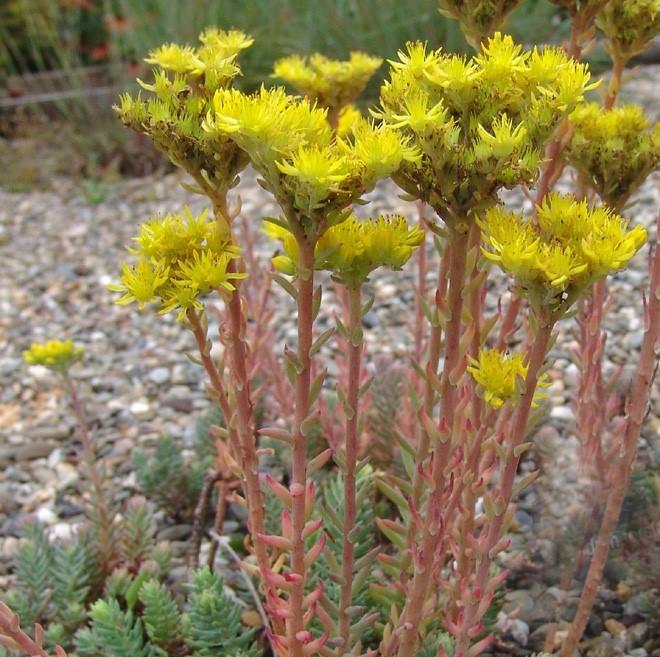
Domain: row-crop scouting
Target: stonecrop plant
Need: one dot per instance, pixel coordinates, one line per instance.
(351, 553)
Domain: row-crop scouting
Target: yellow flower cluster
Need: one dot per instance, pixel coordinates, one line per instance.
(330, 82)
(569, 247)
(181, 258)
(352, 249)
(614, 151)
(291, 145)
(499, 376)
(629, 26)
(55, 354)
(479, 123)
(181, 91)
(349, 117)
(478, 19)
(213, 61)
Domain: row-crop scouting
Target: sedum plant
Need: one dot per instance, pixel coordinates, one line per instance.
(452, 132)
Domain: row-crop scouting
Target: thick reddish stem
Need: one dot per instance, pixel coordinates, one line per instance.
(299, 464)
(421, 288)
(435, 343)
(477, 282)
(10, 628)
(518, 429)
(639, 398)
(411, 616)
(245, 422)
(350, 507)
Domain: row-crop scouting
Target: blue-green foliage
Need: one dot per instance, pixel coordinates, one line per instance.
(212, 624)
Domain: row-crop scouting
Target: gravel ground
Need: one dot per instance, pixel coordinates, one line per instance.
(58, 254)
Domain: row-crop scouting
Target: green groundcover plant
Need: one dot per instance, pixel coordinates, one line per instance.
(374, 541)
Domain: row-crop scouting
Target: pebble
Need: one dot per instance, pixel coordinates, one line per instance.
(562, 413)
(46, 516)
(160, 375)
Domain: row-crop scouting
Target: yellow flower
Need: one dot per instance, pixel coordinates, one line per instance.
(571, 245)
(352, 249)
(330, 82)
(183, 84)
(288, 261)
(181, 257)
(610, 247)
(206, 271)
(499, 376)
(480, 124)
(564, 217)
(614, 151)
(504, 139)
(267, 124)
(378, 151)
(175, 58)
(349, 116)
(560, 264)
(227, 43)
(55, 354)
(140, 283)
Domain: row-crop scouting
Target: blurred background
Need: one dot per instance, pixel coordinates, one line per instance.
(63, 63)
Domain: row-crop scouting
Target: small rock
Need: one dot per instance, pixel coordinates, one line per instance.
(175, 533)
(571, 375)
(160, 375)
(46, 516)
(614, 626)
(9, 548)
(636, 634)
(179, 404)
(9, 365)
(633, 340)
(62, 531)
(562, 413)
(34, 450)
(141, 408)
(519, 631)
(57, 432)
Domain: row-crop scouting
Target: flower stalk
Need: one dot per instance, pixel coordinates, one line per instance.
(622, 468)
(351, 450)
(473, 611)
(298, 488)
(407, 630)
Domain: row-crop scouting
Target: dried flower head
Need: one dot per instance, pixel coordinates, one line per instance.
(57, 355)
(331, 83)
(480, 123)
(570, 247)
(353, 249)
(614, 151)
(181, 258)
(499, 376)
